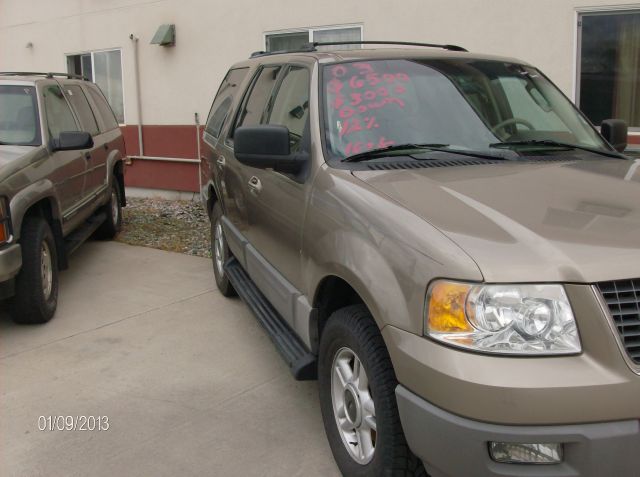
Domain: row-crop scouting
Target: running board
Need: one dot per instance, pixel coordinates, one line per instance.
(301, 362)
(82, 233)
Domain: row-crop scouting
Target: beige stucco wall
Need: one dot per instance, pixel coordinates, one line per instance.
(211, 34)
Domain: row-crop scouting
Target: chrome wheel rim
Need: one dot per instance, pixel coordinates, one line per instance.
(115, 211)
(353, 406)
(46, 270)
(218, 248)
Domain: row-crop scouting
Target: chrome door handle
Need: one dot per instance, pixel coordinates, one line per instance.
(255, 185)
(221, 161)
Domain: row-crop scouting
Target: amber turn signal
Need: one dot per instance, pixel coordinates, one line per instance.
(446, 307)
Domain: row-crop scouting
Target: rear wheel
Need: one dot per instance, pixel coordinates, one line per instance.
(220, 252)
(36, 296)
(113, 209)
(357, 397)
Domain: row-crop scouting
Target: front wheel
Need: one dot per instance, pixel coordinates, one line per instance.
(36, 295)
(357, 397)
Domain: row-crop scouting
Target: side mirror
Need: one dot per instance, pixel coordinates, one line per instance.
(72, 141)
(266, 147)
(615, 132)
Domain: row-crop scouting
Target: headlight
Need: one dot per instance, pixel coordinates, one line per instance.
(5, 220)
(507, 319)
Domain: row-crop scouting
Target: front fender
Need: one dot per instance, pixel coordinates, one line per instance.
(387, 254)
(25, 198)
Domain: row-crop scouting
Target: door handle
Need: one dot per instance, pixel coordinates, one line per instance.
(106, 147)
(255, 185)
(87, 156)
(221, 162)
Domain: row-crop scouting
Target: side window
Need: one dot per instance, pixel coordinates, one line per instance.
(291, 105)
(254, 105)
(59, 116)
(81, 106)
(109, 121)
(224, 99)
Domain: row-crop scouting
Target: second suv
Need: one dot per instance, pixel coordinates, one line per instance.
(448, 245)
(61, 180)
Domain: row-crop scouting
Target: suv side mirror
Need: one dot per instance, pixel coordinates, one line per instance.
(266, 147)
(72, 141)
(615, 132)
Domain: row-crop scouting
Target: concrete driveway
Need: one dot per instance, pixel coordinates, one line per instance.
(190, 383)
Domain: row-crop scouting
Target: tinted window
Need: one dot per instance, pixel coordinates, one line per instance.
(291, 105)
(81, 106)
(19, 116)
(221, 105)
(108, 119)
(58, 113)
(253, 107)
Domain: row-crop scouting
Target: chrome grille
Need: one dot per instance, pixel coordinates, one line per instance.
(623, 299)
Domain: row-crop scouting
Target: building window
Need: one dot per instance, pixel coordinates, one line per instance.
(298, 38)
(609, 66)
(105, 69)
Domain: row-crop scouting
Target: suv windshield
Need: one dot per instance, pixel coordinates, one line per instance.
(19, 116)
(465, 104)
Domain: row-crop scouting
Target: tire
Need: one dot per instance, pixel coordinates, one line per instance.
(36, 296)
(113, 209)
(368, 396)
(220, 252)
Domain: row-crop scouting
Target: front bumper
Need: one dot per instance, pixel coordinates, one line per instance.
(10, 262)
(454, 446)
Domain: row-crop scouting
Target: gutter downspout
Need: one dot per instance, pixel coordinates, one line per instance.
(134, 39)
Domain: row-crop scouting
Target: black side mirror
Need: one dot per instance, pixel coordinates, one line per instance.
(72, 141)
(615, 132)
(266, 147)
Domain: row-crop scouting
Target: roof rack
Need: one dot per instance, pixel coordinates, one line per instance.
(47, 75)
(313, 46)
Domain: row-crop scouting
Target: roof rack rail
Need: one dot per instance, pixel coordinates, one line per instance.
(308, 47)
(47, 75)
(404, 43)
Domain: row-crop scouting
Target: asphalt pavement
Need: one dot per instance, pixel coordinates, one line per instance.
(173, 378)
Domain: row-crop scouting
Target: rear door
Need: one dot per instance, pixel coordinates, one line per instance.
(69, 167)
(96, 162)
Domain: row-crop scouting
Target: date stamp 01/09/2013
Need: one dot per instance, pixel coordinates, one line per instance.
(73, 423)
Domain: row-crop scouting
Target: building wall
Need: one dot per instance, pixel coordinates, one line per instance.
(179, 81)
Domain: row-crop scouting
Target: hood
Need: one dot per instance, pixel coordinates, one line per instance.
(15, 158)
(530, 221)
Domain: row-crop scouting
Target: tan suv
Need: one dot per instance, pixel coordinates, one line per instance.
(61, 180)
(447, 244)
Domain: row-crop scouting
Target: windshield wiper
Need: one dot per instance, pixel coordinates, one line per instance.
(551, 143)
(375, 153)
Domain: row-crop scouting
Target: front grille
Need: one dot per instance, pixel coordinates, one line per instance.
(623, 299)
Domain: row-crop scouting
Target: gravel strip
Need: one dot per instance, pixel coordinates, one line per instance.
(174, 225)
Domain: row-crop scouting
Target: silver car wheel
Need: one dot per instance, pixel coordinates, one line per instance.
(115, 210)
(218, 248)
(46, 270)
(353, 406)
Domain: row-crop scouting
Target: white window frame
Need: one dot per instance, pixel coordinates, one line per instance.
(311, 30)
(577, 36)
(93, 69)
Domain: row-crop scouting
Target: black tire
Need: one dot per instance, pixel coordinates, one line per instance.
(222, 281)
(31, 304)
(113, 210)
(352, 328)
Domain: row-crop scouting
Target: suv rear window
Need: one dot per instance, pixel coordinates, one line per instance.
(109, 121)
(19, 123)
(224, 99)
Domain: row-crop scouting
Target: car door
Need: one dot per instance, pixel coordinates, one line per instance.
(233, 174)
(276, 201)
(68, 168)
(97, 158)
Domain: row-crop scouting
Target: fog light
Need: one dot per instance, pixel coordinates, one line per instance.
(517, 453)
